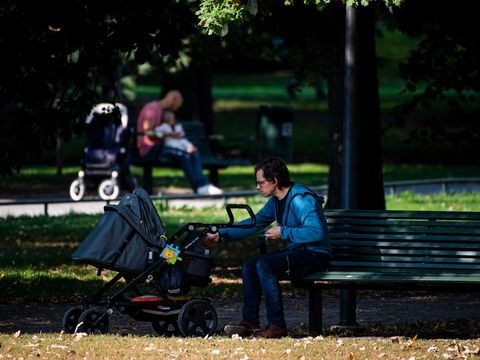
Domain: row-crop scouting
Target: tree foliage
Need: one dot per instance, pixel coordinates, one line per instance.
(57, 55)
(448, 52)
(215, 15)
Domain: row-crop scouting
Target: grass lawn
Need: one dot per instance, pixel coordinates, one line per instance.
(52, 346)
(42, 181)
(35, 252)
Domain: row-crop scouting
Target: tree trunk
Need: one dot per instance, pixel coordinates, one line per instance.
(370, 194)
(59, 154)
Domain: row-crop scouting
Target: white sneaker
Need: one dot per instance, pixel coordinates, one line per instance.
(203, 190)
(213, 190)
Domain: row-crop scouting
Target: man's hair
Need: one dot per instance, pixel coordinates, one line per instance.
(275, 169)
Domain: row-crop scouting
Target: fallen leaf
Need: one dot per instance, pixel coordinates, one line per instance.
(432, 349)
(350, 356)
(414, 341)
(381, 355)
(17, 334)
(215, 352)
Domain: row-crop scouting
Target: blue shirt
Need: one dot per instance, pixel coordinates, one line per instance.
(303, 221)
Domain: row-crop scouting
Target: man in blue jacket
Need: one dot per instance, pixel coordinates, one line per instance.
(300, 224)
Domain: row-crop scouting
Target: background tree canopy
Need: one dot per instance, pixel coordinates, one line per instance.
(58, 55)
(59, 58)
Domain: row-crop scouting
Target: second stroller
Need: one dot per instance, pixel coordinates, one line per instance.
(105, 164)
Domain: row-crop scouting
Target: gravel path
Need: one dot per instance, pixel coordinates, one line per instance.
(390, 308)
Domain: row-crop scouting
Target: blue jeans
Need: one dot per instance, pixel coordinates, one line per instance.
(262, 274)
(191, 164)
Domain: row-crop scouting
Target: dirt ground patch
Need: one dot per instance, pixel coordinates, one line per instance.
(385, 309)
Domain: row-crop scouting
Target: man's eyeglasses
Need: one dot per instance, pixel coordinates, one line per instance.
(261, 182)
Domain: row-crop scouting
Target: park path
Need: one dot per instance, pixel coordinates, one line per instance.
(56, 207)
(382, 308)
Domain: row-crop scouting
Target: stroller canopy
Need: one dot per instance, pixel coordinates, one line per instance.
(106, 124)
(126, 237)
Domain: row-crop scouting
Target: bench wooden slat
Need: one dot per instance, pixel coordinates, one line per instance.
(411, 265)
(399, 229)
(402, 223)
(404, 245)
(411, 259)
(361, 250)
(376, 276)
(406, 237)
(403, 214)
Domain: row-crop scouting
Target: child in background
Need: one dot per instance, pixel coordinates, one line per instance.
(174, 134)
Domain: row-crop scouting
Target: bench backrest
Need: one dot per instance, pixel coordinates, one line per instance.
(196, 133)
(410, 240)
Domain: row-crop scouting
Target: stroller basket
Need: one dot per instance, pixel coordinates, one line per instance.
(128, 237)
(197, 267)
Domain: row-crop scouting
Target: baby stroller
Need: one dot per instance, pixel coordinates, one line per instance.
(105, 162)
(158, 272)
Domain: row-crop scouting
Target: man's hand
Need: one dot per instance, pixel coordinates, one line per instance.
(273, 233)
(191, 149)
(212, 239)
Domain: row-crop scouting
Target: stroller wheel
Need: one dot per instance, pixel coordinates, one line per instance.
(77, 190)
(197, 318)
(70, 319)
(108, 190)
(166, 326)
(93, 321)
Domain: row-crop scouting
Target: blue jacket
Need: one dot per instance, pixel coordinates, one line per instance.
(303, 221)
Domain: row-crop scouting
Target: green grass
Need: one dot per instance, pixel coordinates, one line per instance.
(41, 181)
(35, 263)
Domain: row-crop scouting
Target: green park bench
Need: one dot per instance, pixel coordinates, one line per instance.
(195, 132)
(396, 250)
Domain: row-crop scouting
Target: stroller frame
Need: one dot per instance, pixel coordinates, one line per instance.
(169, 315)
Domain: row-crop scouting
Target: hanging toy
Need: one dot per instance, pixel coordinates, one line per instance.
(170, 253)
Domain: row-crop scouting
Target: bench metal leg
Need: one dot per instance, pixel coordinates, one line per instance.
(348, 307)
(315, 316)
(148, 179)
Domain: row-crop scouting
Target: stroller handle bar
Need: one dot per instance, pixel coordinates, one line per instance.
(213, 228)
(231, 218)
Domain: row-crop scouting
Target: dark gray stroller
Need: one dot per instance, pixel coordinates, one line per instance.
(158, 272)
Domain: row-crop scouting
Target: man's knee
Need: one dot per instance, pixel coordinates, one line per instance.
(263, 268)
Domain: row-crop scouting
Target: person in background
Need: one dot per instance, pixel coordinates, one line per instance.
(300, 224)
(174, 134)
(153, 147)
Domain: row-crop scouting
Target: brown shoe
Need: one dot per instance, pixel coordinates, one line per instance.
(272, 332)
(244, 329)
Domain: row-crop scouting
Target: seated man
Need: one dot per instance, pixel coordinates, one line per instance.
(154, 147)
